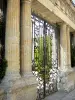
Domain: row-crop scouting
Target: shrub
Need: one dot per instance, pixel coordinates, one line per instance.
(43, 58)
(3, 66)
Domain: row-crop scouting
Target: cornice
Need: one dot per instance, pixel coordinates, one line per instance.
(66, 7)
(71, 5)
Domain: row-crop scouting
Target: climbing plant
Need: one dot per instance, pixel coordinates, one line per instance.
(40, 55)
(3, 66)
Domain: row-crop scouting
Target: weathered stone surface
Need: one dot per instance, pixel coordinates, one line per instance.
(26, 37)
(55, 11)
(66, 80)
(62, 95)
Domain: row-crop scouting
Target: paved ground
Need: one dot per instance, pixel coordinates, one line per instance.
(62, 96)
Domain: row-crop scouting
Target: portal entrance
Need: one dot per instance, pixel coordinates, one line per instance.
(44, 56)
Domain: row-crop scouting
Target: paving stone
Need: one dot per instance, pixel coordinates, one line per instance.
(62, 95)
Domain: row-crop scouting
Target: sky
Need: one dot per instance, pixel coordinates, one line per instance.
(73, 1)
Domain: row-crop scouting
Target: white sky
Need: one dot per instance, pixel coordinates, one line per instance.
(73, 1)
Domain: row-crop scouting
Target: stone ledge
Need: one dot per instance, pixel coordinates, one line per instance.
(24, 88)
(26, 81)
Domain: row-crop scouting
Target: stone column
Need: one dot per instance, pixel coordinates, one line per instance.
(12, 38)
(65, 58)
(26, 52)
(66, 82)
(26, 37)
(68, 48)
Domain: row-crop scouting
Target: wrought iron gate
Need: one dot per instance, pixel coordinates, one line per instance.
(44, 56)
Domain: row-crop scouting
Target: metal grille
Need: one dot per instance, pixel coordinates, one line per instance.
(44, 56)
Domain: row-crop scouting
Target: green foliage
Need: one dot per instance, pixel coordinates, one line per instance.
(43, 59)
(3, 66)
(73, 56)
(3, 62)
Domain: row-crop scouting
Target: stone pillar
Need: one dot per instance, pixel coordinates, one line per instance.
(26, 37)
(12, 39)
(65, 58)
(26, 51)
(12, 80)
(66, 82)
(68, 49)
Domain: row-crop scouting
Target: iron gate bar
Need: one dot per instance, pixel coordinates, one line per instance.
(43, 31)
(44, 49)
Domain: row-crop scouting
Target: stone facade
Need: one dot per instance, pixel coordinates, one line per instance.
(19, 83)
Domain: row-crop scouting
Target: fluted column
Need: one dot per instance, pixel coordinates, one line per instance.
(68, 48)
(26, 37)
(26, 51)
(65, 59)
(65, 72)
(12, 38)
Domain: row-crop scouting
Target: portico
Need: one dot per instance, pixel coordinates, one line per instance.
(19, 81)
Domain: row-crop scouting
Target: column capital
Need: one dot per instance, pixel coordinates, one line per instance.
(26, 35)
(26, 1)
(68, 28)
(63, 23)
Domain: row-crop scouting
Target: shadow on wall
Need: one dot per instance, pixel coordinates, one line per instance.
(72, 50)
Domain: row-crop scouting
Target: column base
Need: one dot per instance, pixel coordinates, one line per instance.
(29, 92)
(10, 79)
(24, 88)
(66, 80)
